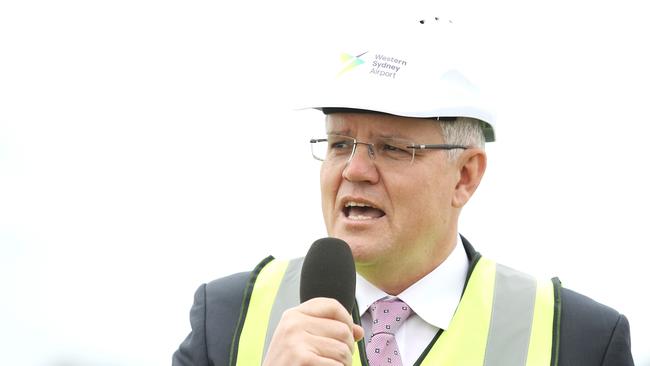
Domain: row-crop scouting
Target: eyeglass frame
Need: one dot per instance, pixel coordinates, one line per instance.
(371, 149)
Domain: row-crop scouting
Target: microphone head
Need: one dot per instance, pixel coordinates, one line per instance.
(328, 271)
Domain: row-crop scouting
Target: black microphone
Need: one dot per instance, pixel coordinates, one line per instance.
(328, 271)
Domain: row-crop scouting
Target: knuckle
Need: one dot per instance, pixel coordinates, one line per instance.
(289, 313)
(290, 325)
(291, 316)
(342, 331)
(316, 301)
(343, 353)
(304, 359)
(324, 302)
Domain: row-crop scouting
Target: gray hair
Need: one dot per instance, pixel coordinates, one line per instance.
(462, 131)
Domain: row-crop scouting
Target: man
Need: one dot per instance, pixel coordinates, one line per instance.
(403, 153)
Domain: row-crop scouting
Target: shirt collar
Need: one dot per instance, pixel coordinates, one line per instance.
(434, 297)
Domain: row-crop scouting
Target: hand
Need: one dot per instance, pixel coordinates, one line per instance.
(318, 332)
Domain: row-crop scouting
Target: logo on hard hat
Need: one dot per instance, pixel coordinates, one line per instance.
(350, 62)
(387, 66)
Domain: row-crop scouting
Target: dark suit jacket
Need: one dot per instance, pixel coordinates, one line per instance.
(590, 333)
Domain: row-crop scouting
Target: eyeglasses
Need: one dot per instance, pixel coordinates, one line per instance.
(386, 151)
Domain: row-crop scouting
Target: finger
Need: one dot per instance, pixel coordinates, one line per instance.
(306, 357)
(323, 307)
(357, 332)
(332, 349)
(329, 328)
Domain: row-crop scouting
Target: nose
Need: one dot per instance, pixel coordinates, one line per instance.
(361, 167)
(369, 146)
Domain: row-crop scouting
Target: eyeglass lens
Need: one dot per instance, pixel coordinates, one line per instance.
(336, 148)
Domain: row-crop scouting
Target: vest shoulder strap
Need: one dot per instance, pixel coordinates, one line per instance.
(505, 317)
(272, 289)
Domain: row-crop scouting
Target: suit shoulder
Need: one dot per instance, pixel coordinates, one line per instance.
(229, 288)
(587, 329)
(581, 307)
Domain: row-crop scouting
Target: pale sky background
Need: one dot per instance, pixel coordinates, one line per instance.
(147, 147)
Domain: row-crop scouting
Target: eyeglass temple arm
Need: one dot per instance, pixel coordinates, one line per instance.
(421, 146)
(438, 146)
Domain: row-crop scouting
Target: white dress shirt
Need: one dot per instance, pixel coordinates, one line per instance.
(433, 301)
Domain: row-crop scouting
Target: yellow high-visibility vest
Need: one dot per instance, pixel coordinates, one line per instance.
(504, 318)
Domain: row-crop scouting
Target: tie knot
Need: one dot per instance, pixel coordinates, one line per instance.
(388, 315)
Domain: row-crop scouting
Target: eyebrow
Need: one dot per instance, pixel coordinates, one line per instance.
(345, 132)
(395, 136)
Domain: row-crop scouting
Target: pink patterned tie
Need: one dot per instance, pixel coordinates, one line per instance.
(387, 317)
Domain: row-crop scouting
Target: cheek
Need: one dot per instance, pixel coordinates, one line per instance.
(325, 181)
(423, 206)
(328, 188)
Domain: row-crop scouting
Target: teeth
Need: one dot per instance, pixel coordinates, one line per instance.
(358, 204)
(359, 217)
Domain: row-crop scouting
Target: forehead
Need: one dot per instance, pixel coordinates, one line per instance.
(376, 124)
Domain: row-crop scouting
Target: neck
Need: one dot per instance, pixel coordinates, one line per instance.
(407, 271)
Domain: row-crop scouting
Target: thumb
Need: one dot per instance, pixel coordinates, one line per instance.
(357, 332)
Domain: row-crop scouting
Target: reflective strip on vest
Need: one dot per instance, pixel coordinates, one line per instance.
(512, 318)
(287, 297)
(504, 318)
(253, 332)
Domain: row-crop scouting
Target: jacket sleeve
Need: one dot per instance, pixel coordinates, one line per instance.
(619, 349)
(213, 317)
(193, 350)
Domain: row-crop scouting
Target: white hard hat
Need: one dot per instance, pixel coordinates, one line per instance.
(402, 69)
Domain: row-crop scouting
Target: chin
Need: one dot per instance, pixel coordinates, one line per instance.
(364, 249)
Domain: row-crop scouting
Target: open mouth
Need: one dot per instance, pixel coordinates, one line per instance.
(361, 211)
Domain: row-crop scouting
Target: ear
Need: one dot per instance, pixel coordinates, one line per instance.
(471, 165)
